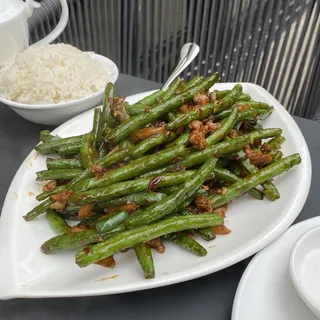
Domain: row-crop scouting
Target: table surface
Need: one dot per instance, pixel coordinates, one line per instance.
(209, 297)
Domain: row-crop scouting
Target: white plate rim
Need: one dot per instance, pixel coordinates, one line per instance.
(239, 256)
(314, 222)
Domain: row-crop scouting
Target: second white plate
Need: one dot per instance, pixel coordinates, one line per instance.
(265, 291)
(26, 272)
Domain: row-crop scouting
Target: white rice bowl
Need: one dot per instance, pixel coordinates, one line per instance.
(52, 74)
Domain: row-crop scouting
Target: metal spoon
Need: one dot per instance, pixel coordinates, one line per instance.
(188, 52)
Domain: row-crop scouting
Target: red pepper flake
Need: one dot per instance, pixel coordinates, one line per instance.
(107, 262)
(220, 230)
(87, 250)
(153, 183)
(179, 168)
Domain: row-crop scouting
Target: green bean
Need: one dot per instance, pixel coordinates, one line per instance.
(206, 233)
(226, 147)
(54, 145)
(53, 164)
(111, 221)
(170, 116)
(111, 159)
(183, 119)
(108, 119)
(133, 186)
(256, 114)
(181, 87)
(74, 240)
(249, 182)
(144, 103)
(244, 97)
(204, 111)
(71, 209)
(70, 149)
(220, 149)
(38, 210)
(102, 149)
(269, 188)
(176, 188)
(132, 169)
(58, 174)
(44, 195)
(149, 143)
(182, 140)
(104, 162)
(228, 177)
(173, 201)
(97, 128)
(131, 238)
(229, 99)
(144, 257)
(143, 199)
(216, 136)
(136, 122)
(45, 136)
(91, 221)
(73, 216)
(221, 93)
(276, 156)
(87, 151)
(276, 142)
(225, 128)
(156, 97)
(172, 88)
(193, 81)
(57, 223)
(255, 104)
(183, 240)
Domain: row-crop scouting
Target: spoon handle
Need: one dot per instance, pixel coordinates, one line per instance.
(188, 52)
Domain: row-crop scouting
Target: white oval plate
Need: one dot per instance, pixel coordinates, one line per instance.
(265, 291)
(26, 272)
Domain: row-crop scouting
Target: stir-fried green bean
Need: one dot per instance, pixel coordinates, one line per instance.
(128, 180)
(131, 238)
(128, 127)
(57, 223)
(173, 201)
(144, 257)
(251, 181)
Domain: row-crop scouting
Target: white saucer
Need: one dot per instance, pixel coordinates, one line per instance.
(265, 291)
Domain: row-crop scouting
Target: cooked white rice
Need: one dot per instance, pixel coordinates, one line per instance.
(52, 74)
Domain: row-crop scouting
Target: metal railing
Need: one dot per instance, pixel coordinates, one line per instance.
(273, 43)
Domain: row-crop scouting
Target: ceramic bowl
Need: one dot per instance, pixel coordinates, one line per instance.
(304, 268)
(56, 114)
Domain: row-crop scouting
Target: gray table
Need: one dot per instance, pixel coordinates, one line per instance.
(209, 297)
